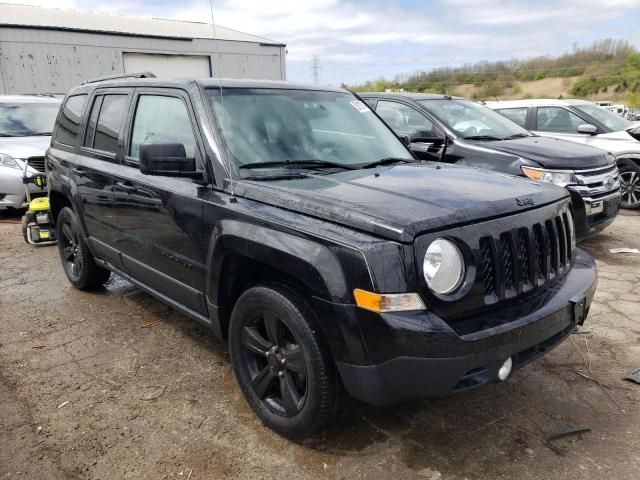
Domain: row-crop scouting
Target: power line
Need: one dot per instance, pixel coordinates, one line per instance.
(315, 68)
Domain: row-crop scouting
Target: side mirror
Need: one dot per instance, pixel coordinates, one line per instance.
(169, 159)
(406, 139)
(423, 136)
(588, 129)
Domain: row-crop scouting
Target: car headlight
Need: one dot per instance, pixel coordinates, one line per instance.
(443, 266)
(561, 178)
(9, 162)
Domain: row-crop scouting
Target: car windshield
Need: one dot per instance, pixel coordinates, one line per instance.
(280, 127)
(26, 119)
(472, 120)
(609, 119)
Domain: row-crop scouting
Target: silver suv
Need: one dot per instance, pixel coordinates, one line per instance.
(26, 122)
(584, 122)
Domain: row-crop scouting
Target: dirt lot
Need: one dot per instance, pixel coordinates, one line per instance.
(91, 387)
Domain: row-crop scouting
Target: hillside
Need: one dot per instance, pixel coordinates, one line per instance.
(606, 70)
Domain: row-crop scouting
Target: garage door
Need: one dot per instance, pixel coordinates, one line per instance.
(167, 65)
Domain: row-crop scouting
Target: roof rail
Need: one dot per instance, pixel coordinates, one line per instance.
(122, 75)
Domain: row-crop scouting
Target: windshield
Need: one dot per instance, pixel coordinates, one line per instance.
(24, 119)
(472, 120)
(282, 125)
(609, 119)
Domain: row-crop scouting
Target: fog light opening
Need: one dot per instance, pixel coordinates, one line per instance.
(505, 369)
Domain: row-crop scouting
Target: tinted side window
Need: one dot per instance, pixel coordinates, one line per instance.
(557, 119)
(517, 115)
(160, 119)
(104, 127)
(402, 119)
(70, 119)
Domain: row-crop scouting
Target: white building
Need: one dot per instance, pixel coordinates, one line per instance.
(45, 50)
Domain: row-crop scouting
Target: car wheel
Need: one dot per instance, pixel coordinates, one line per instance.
(282, 362)
(630, 187)
(77, 260)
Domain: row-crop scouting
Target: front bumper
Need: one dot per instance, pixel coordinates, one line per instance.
(417, 354)
(593, 214)
(12, 194)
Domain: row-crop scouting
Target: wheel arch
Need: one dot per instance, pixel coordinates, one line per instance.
(242, 256)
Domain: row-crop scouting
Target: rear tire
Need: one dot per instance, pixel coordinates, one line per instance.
(77, 261)
(282, 361)
(630, 187)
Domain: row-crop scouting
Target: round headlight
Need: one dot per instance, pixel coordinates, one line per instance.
(443, 266)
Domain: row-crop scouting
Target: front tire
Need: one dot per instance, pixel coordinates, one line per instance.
(630, 187)
(77, 260)
(282, 362)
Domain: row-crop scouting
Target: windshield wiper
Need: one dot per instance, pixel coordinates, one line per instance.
(482, 137)
(517, 135)
(385, 161)
(298, 164)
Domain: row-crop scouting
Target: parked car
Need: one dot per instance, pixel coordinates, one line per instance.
(587, 123)
(464, 132)
(291, 221)
(26, 122)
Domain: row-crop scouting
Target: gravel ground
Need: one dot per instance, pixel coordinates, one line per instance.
(114, 384)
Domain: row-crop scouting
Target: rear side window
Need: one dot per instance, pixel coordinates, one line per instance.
(70, 119)
(161, 119)
(558, 119)
(517, 115)
(105, 122)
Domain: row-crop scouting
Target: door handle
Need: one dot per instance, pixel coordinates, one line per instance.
(78, 170)
(126, 187)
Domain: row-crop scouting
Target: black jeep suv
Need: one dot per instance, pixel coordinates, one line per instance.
(457, 130)
(293, 222)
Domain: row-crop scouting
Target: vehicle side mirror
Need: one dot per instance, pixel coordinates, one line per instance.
(406, 139)
(588, 129)
(423, 136)
(168, 159)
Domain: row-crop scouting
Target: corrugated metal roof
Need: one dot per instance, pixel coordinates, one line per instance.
(38, 17)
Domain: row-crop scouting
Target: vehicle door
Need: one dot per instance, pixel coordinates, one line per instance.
(160, 216)
(101, 150)
(90, 163)
(560, 122)
(426, 139)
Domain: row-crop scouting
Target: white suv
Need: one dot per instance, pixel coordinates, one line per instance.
(26, 122)
(584, 122)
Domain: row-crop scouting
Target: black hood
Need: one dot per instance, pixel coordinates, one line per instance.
(552, 152)
(402, 201)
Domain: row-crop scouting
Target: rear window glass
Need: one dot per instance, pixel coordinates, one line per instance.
(517, 115)
(70, 119)
(105, 122)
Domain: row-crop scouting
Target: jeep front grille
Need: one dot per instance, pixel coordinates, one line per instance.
(519, 260)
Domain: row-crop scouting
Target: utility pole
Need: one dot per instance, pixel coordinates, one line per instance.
(315, 68)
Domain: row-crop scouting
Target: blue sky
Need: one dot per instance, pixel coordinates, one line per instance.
(357, 40)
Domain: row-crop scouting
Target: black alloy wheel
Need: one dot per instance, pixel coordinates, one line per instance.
(282, 361)
(630, 187)
(70, 252)
(276, 365)
(77, 261)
